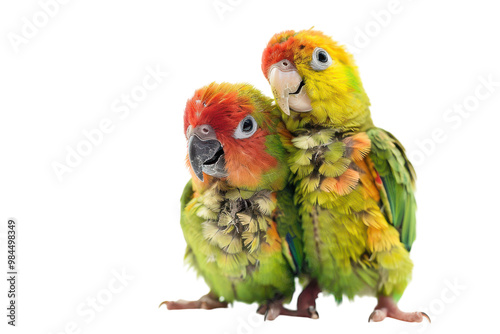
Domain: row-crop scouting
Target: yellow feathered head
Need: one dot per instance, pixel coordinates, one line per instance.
(315, 81)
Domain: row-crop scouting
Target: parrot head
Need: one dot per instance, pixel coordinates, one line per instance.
(233, 133)
(315, 79)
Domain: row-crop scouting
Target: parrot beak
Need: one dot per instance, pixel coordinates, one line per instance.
(205, 153)
(288, 87)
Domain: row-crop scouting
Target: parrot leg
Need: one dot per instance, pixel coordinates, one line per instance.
(206, 302)
(387, 308)
(273, 309)
(307, 299)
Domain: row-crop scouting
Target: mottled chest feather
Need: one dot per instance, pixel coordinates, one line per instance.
(326, 161)
(236, 223)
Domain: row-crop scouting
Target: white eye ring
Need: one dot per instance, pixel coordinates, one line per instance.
(321, 60)
(246, 128)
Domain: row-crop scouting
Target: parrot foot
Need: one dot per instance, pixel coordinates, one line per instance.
(273, 309)
(387, 308)
(206, 302)
(307, 299)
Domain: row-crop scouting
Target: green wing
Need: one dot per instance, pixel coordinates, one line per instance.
(289, 228)
(187, 196)
(398, 179)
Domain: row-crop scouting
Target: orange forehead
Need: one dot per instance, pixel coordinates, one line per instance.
(279, 47)
(218, 105)
(296, 46)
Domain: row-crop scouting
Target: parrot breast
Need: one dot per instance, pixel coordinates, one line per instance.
(324, 163)
(237, 226)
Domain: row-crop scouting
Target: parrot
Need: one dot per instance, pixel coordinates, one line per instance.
(237, 211)
(354, 184)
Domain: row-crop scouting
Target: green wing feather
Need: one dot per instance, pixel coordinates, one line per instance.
(187, 195)
(398, 178)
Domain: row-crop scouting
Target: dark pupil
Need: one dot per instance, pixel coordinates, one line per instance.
(247, 125)
(322, 57)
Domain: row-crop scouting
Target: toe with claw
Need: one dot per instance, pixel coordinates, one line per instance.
(274, 309)
(206, 302)
(387, 308)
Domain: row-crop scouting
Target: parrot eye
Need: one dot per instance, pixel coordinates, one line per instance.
(322, 56)
(321, 60)
(246, 128)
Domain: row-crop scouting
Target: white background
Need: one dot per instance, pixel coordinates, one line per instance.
(119, 208)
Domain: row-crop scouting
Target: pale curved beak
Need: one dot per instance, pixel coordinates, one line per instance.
(288, 87)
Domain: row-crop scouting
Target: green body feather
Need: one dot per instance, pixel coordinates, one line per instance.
(338, 220)
(354, 184)
(249, 264)
(246, 242)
